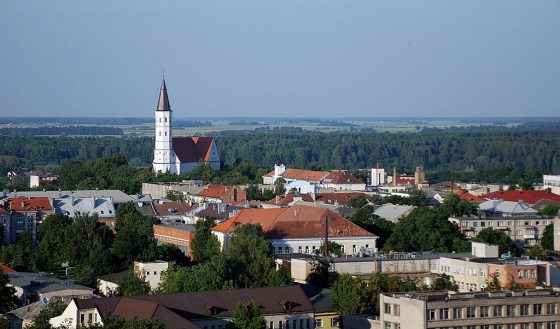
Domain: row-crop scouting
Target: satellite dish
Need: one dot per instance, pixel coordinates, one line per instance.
(45, 300)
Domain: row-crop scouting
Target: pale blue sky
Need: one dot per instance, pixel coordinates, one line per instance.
(311, 58)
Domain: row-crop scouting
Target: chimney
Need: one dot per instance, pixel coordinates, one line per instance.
(394, 176)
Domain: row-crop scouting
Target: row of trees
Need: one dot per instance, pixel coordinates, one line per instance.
(508, 156)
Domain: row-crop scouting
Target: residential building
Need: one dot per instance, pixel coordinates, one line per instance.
(117, 196)
(172, 211)
(178, 234)
(552, 183)
(148, 271)
(524, 230)
(38, 179)
(340, 180)
(160, 190)
(218, 193)
(219, 212)
(499, 207)
(325, 315)
(308, 181)
(557, 235)
(521, 310)
(299, 229)
(20, 213)
(178, 155)
(529, 196)
(281, 307)
(74, 207)
(393, 212)
(32, 287)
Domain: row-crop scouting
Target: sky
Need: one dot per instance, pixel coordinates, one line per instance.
(289, 58)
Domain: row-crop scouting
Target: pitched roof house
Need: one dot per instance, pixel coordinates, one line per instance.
(280, 306)
(529, 196)
(299, 229)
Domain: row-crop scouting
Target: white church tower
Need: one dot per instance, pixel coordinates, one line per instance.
(164, 157)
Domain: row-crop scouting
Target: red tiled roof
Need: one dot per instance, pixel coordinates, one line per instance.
(531, 196)
(301, 174)
(465, 195)
(341, 177)
(285, 200)
(192, 149)
(294, 222)
(215, 191)
(405, 180)
(341, 198)
(5, 269)
(26, 204)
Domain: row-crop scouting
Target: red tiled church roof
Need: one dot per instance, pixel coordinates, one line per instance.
(530, 196)
(294, 222)
(192, 149)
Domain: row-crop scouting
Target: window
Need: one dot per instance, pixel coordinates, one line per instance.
(165, 119)
(526, 274)
(82, 318)
(334, 322)
(524, 310)
(498, 310)
(286, 250)
(165, 133)
(160, 133)
(307, 324)
(319, 323)
(280, 324)
(539, 325)
(443, 313)
(431, 315)
(537, 309)
(532, 274)
(551, 325)
(353, 248)
(306, 249)
(470, 312)
(387, 308)
(551, 308)
(90, 317)
(271, 325)
(519, 274)
(511, 310)
(300, 249)
(397, 310)
(457, 313)
(484, 311)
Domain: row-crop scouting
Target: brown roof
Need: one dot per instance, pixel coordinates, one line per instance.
(175, 310)
(133, 308)
(163, 209)
(301, 174)
(465, 195)
(545, 202)
(341, 198)
(114, 277)
(215, 191)
(341, 177)
(285, 200)
(295, 222)
(192, 149)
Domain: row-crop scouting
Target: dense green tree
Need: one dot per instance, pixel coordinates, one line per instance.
(250, 257)
(8, 299)
(321, 274)
(49, 254)
(204, 245)
(549, 211)
(547, 239)
(357, 201)
(444, 282)
(134, 236)
(20, 256)
(247, 316)
(351, 295)
(535, 252)
(495, 237)
(366, 219)
(280, 277)
(5, 323)
(210, 275)
(55, 307)
(425, 229)
(279, 186)
(493, 282)
(453, 205)
(417, 198)
(133, 284)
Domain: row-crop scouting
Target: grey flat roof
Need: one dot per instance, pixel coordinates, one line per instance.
(40, 282)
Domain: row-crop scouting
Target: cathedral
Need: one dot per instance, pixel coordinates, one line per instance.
(179, 155)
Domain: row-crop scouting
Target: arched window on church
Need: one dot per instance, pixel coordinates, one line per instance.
(159, 119)
(160, 133)
(165, 119)
(166, 133)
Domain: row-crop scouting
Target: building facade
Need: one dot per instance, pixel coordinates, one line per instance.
(529, 309)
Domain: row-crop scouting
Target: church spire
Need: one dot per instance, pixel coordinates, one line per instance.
(163, 102)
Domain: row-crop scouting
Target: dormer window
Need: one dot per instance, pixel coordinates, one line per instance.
(286, 305)
(211, 309)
